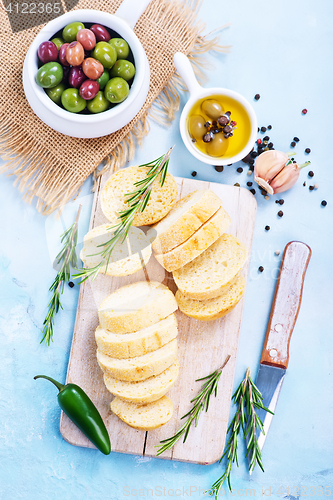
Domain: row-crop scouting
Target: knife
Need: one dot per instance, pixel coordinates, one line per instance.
(275, 354)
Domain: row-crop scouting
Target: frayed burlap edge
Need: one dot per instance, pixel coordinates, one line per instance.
(30, 164)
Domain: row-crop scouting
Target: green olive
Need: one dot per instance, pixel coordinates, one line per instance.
(105, 54)
(98, 104)
(196, 127)
(121, 47)
(124, 69)
(116, 90)
(72, 101)
(49, 75)
(103, 79)
(55, 93)
(58, 42)
(218, 146)
(212, 108)
(70, 31)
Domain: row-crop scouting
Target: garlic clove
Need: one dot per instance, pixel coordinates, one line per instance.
(269, 164)
(286, 178)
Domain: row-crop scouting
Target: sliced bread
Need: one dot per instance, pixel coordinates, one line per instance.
(136, 306)
(207, 310)
(130, 345)
(144, 417)
(203, 238)
(185, 217)
(146, 391)
(205, 277)
(126, 258)
(140, 367)
(113, 199)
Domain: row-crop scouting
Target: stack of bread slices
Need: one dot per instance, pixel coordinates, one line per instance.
(137, 352)
(206, 262)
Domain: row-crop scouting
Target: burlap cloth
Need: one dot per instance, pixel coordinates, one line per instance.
(51, 166)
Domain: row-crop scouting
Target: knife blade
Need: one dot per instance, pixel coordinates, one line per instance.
(275, 354)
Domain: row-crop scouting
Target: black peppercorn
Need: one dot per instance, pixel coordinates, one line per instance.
(257, 97)
(310, 174)
(324, 203)
(253, 191)
(263, 129)
(307, 151)
(266, 138)
(311, 188)
(194, 173)
(280, 213)
(207, 138)
(71, 284)
(296, 139)
(219, 168)
(249, 183)
(260, 269)
(239, 170)
(281, 202)
(267, 228)
(269, 127)
(293, 144)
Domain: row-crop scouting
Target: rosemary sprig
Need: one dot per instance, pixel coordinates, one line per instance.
(201, 402)
(137, 201)
(247, 397)
(67, 257)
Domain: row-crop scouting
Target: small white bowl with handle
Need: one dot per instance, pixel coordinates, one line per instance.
(106, 122)
(199, 93)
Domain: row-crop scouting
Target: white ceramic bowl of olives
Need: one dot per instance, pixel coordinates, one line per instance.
(61, 106)
(218, 126)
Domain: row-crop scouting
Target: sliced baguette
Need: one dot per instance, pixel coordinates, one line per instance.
(126, 258)
(143, 417)
(146, 391)
(208, 310)
(140, 367)
(185, 217)
(203, 238)
(136, 306)
(113, 199)
(130, 345)
(206, 276)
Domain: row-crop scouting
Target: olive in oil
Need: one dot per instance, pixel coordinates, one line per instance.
(218, 146)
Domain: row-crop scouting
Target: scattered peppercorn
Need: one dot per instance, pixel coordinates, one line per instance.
(267, 228)
(194, 173)
(266, 138)
(304, 111)
(257, 97)
(207, 124)
(316, 186)
(207, 138)
(296, 139)
(246, 158)
(293, 144)
(219, 168)
(253, 191)
(269, 127)
(281, 202)
(304, 183)
(270, 145)
(263, 129)
(70, 284)
(277, 252)
(280, 213)
(260, 269)
(311, 188)
(250, 172)
(259, 141)
(310, 173)
(237, 184)
(254, 154)
(239, 170)
(324, 203)
(307, 151)
(249, 183)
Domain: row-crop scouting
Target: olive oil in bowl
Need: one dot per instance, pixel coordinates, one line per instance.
(219, 126)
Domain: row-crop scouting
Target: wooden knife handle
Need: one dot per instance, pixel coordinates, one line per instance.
(286, 304)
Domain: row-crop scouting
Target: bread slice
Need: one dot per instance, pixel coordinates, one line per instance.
(162, 198)
(206, 276)
(207, 310)
(203, 238)
(146, 391)
(185, 217)
(136, 306)
(130, 345)
(143, 417)
(127, 257)
(140, 367)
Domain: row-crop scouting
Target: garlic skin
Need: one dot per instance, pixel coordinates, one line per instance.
(275, 172)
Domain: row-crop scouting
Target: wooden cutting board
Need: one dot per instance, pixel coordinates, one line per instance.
(203, 347)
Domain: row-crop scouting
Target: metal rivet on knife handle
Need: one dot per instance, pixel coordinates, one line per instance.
(286, 304)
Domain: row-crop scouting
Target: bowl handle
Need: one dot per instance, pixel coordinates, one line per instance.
(185, 70)
(131, 10)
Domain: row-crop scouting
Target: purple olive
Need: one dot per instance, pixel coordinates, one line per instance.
(47, 52)
(89, 89)
(101, 33)
(62, 54)
(65, 72)
(76, 77)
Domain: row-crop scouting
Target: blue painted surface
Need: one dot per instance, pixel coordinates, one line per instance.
(282, 50)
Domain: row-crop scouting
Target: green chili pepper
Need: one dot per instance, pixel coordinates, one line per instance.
(82, 411)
